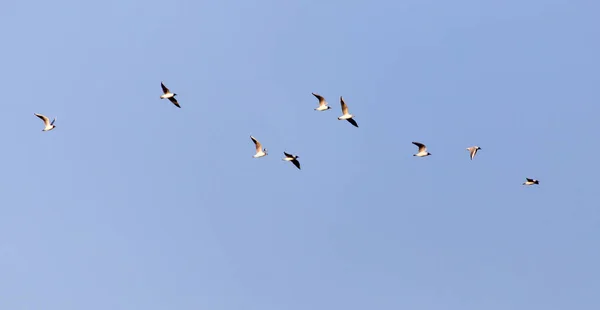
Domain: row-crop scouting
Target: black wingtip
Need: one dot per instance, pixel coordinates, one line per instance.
(353, 122)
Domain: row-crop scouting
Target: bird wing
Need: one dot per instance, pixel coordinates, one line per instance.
(344, 106)
(473, 152)
(258, 145)
(296, 163)
(288, 155)
(174, 101)
(54, 120)
(422, 147)
(353, 122)
(322, 101)
(164, 88)
(44, 118)
(529, 180)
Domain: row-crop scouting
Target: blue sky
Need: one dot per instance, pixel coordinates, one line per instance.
(131, 203)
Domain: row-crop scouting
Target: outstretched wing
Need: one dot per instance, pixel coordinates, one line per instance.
(322, 101)
(422, 147)
(287, 155)
(344, 106)
(164, 88)
(174, 101)
(258, 145)
(473, 152)
(296, 163)
(43, 118)
(353, 122)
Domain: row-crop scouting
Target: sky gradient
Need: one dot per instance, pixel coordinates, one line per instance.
(132, 203)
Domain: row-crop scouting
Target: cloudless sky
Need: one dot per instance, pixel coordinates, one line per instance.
(132, 203)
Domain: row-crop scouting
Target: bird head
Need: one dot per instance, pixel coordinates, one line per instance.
(265, 150)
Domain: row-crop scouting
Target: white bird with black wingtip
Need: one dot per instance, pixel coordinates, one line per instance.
(260, 152)
(422, 150)
(346, 115)
(322, 103)
(529, 181)
(167, 94)
(292, 158)
(47, 124)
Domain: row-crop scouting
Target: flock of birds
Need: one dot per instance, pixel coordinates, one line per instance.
(323, 106)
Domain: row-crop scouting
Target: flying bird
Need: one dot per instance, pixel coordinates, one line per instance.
(169, 95)
(347, 116)
(531, 182)
(422, 150)
(260, 152)
(293, 159)
(473, 150)
(322, 103)
(47, 124)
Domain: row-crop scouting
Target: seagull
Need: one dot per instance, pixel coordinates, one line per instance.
(422, 150)
(293, 159)
(473, 150)
(531, 181)
(47, 124)
(347, 116)
(168, 95)
(322, 103)
(260, 152)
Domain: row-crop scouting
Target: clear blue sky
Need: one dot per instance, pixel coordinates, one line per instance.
(131, 203)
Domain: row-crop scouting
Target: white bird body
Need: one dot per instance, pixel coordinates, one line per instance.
(531, 181)
(47, 124)
(292, 158)
(260, 152)
(322, 103)
(422, 150)
(345, 114)
(167, 94)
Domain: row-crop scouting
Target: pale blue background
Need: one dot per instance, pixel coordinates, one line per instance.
(131, 203)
